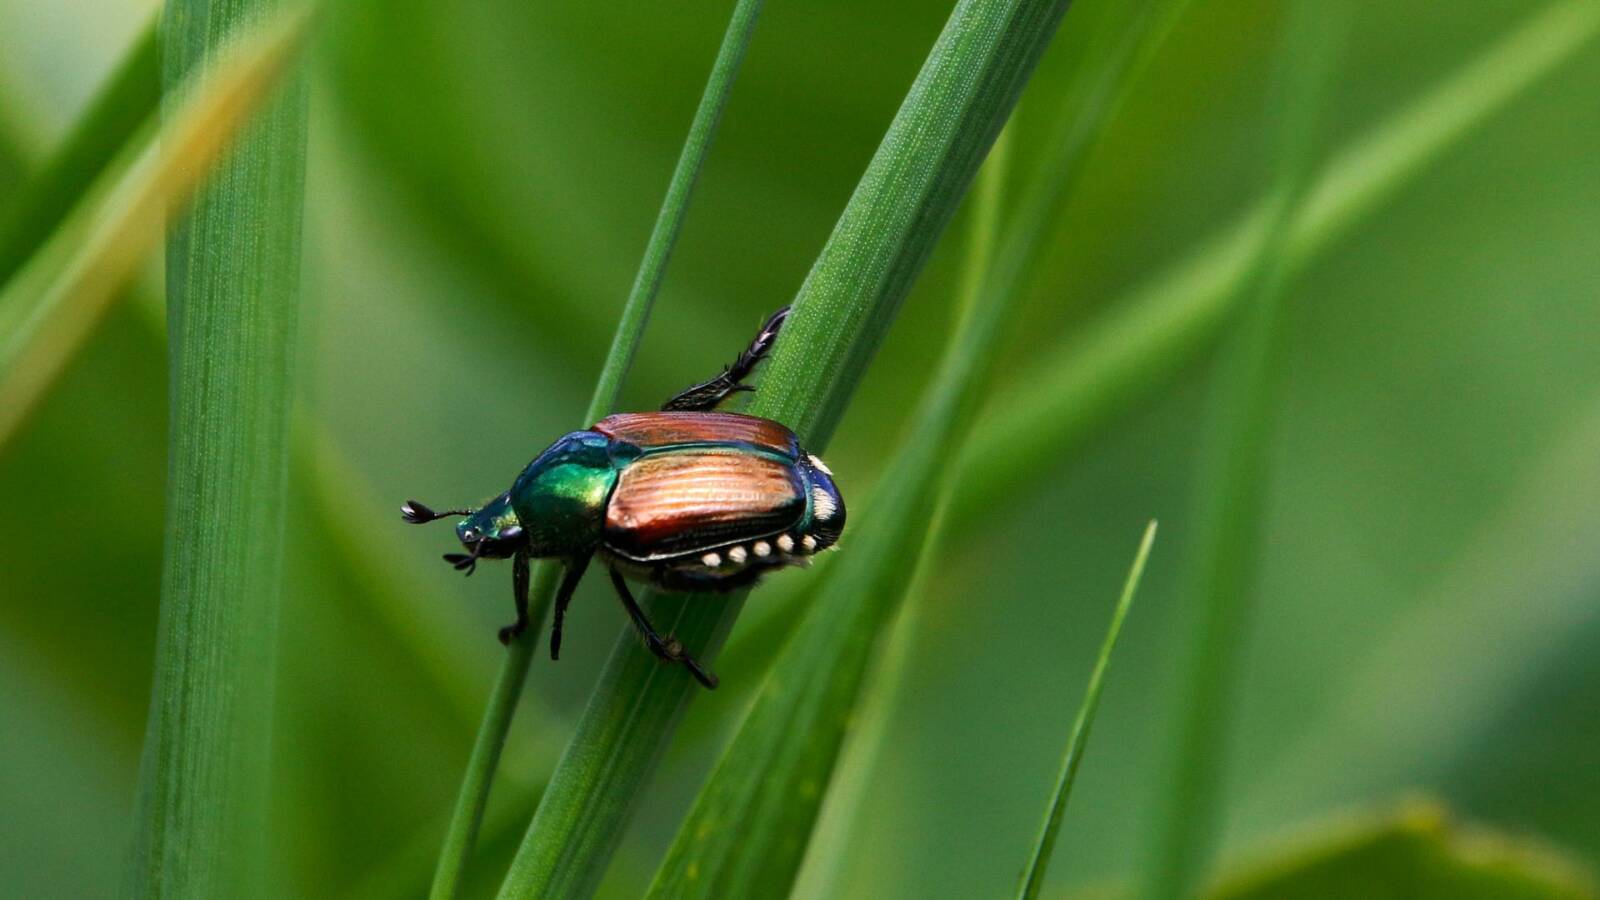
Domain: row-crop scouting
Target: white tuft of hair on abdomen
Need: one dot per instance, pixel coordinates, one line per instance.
(822, 503)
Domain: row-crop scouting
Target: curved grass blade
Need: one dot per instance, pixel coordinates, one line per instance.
(473, 798)
(54, 300)
(123, 105)
(956, 107)
(1033, 880)
(1233, 469)
(1148, 335)
(233, 276)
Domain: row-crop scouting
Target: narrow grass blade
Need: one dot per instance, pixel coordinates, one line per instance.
(126, 101)
(675, 206)
(1164, 323)
(956, 107)
(1233, 471)
(233, 276)
(473, 798)
(1033, 880)
(52, 303)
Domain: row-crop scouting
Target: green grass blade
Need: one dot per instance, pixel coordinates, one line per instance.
(1033, 880)
(233, 276)
(952, 114)
(764, 780)
(749, 827)
(1233, 470)
(461, 835)
(769, 780)
(474, 795)
(741, 25)
(65, 286)
(1164, 323)
(126, 101)
(956, 107)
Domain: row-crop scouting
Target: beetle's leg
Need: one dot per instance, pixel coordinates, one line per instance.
(519, 590)
(707, 394)
(668, 648)
(569, 583)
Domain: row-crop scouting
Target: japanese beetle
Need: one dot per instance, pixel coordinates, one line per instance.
(687, 498)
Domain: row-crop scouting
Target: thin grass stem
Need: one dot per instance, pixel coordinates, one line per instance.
(465, 821)
(1044, 846)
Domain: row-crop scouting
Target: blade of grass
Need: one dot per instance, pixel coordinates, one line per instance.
(1164, 323)
(1233, 470)
(770, 781)
(1033, 879)
(748, 829)
(233, 275)
(124, 103)
(473, 798)
(954, 110)
(1114, 65)
(54, 300)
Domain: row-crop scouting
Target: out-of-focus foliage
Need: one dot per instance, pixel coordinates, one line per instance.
(1416, 854)
(482, 178)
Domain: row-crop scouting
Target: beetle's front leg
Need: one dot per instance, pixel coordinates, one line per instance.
(519, 590)
(669, 649)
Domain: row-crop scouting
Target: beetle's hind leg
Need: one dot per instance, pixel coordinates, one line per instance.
(667, 648)
(707, 394)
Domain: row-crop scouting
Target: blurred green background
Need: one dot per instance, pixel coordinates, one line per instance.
(482, 178)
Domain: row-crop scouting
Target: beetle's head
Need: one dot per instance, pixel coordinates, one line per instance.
(492, 532)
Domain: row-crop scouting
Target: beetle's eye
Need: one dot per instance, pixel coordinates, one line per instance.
(510, 534)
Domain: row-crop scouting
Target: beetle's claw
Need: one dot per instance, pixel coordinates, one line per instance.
(672, 650)
(706, 679)
(462, 562)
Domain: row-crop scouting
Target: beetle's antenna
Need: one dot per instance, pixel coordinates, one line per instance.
(417, 514)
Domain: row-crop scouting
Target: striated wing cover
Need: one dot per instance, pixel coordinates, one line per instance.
(673, 503)
(660, 429)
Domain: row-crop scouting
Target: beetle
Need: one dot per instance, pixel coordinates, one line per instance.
(687, 498)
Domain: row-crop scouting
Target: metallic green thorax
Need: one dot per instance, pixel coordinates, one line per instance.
(496, 521)
(560, 498)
